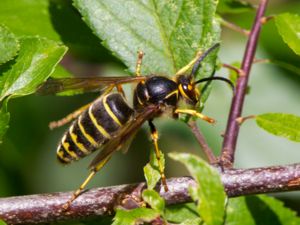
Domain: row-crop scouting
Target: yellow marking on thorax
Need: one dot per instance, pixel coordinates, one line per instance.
(77, 143)
(85, 134)
(108, 110)
(172, 93)
(94, 121)
(182, 92)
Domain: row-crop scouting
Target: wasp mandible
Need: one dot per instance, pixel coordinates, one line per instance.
(109, 122)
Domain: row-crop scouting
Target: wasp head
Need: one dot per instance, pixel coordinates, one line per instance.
(187, 90)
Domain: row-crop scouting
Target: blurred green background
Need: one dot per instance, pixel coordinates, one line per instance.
(27, 157)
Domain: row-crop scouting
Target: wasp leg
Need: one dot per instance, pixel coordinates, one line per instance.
(184, 69)
(76, 193)
(193, 112)
(68, 118)
(139, 63)
(154, 136)
(75, 114)
(121, 90)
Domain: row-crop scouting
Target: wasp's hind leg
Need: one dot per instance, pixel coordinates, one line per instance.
(76, 193)
(154, 136)
(78, 112)
(193, 112)
(68, 118)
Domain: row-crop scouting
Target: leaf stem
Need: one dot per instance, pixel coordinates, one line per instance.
(202, 142)
(234, 27)
(233, 68)
(232, 130)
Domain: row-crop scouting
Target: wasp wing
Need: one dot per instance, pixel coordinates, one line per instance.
(125, 135)
(83, 84)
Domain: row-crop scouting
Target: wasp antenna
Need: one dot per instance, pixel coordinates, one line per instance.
(200, 59)
(216, 78)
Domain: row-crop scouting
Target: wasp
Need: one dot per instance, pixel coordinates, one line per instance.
(109, 122)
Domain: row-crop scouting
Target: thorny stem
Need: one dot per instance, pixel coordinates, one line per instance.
(202, 142)
(232, 130)
(46, 208)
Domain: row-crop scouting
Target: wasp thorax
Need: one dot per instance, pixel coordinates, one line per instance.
(156, 90)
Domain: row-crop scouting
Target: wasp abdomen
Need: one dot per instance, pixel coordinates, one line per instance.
(94, 127)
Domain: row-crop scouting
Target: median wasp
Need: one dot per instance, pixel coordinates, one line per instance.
(109, 122)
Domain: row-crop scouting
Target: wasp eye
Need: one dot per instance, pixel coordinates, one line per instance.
(185, 87)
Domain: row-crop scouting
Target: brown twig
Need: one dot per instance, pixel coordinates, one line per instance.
(233, 68)
(234, 27)
(46, 208)
(232, 130)
(202, 142)
(241, 120)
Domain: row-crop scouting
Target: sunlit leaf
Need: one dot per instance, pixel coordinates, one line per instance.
(280, 124)
(288, 26)
(170, 33)
(134, 216)
(9, 45)
(181, 212)
(209, 192)
(154, 200)
(195, 221)
(2, 222)
(260, 209)
(35, 63)
(53, 19)
(151, 170)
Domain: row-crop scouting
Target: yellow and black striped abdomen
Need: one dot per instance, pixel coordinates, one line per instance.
(94, 127)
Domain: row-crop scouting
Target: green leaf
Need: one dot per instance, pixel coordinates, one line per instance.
(196, 221)
(288, 26)
(151, 170)
(280, 124)
(18, 14)
(154, 200)
(170, 33)
(180, 212)
(4, 119)
(233, 75)
(261, 209)
(2, 222)
(134, 216)
(234, 6)
(53, 19)
(209, 192)
(285, 65)
(9, 45)
(34, 64)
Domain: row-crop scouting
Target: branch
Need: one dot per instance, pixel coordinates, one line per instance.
(232, 130)
(45, 208)
(234, 27)
(202, 142)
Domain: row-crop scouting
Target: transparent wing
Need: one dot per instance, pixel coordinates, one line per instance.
(83, 84)
(125, 135)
